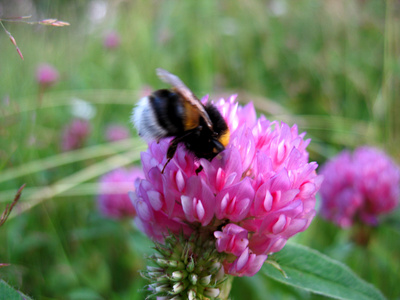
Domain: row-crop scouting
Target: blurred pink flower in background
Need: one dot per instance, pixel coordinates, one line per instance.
(113, 200)
(111, 40)
(46, 75)
(75, 134)
(116, 132)
(252, 197)
(359, 187)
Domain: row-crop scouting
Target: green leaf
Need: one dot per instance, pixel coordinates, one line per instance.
(9, 293)
(313, 271)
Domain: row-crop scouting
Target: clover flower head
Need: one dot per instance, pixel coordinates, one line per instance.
(111, 40)
(113, 200)
(46, 75)
(359, 186)
(75, 134)
(250, 199)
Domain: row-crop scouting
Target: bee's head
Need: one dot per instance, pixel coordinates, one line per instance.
(220, 135)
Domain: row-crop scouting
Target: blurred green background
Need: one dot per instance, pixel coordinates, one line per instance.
(332, 67)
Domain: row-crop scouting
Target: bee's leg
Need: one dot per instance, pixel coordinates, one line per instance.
(163, 169)
(171, 152)
(174, 145)
(199, 169)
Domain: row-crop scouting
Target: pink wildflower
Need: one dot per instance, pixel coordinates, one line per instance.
(359, 187)
(75, 134)
(113, 200)
(46, 75)
(232, 239)
(111, 40)
(116, 132)
(252, 197)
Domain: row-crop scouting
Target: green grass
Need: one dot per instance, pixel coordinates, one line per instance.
(330, 66)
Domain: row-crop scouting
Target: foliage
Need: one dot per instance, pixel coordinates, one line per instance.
(312, 271)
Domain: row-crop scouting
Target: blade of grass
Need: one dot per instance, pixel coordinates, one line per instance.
(390, 82)
(83, 189)
(56, 99)
(77, 178)
(9, 208)
(326, 122)
(69, 157)
(267, 105)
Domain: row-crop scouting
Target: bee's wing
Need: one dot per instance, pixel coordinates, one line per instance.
(174, 81)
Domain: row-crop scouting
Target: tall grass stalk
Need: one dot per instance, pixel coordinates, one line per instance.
(391, 78)
(77, 178)
(61, 159)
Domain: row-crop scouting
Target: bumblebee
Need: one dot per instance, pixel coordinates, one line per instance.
(178, 113)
